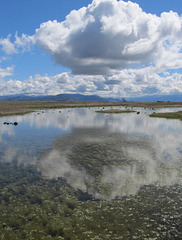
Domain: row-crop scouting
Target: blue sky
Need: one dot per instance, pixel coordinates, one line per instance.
(39, 64)
(25, 16)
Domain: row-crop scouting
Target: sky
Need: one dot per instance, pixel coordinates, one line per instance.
(105, 47)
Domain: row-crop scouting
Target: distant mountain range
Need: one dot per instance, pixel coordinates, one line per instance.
(91, 98)
(59, 97)
(158, 97)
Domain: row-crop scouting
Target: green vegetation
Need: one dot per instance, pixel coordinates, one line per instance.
(115, 111)
(32, 208)
(92, 149)
(169, 115)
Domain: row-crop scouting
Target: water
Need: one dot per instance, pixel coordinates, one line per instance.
(125, 151)
(111, 157)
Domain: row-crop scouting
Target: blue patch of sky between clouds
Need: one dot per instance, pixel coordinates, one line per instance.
(170, 72)
(31, 63)
(157, 7)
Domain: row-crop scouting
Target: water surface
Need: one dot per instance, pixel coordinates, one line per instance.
(76, 174)
(108, 155)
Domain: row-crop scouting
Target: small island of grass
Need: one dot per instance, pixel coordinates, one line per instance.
(115, 111)
(168, 115)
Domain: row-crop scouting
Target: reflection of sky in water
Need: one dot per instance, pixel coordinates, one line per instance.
(152, 147)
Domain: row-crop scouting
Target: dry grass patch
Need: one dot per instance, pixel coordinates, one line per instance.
(169, 115)
(115, 111)
(23, 107)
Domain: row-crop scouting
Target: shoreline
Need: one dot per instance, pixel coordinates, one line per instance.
(168, 115)
(9, 108)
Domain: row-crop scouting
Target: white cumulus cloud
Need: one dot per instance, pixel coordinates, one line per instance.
(4, 72)
(125, 83)
(109, 35)
(112, 47)
(7, 46)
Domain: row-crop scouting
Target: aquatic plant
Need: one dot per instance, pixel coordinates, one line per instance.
(33, 207)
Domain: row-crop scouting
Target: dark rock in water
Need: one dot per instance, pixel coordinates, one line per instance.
(7, 123)
(138, 112)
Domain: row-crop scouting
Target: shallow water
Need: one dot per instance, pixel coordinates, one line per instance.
(92, 150)
(77, 174)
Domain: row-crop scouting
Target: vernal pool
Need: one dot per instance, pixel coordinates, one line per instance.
(126, 161)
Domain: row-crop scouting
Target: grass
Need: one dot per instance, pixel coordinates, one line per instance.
(115, 111)
(168, 115)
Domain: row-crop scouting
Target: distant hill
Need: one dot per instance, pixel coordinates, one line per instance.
(155, 98)
(59, 97)
(91, 98)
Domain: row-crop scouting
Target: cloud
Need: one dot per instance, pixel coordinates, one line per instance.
(109, 35)
(24, 43)
(4, 72)
(145, 81)
(125, 83)
(46, 85)
(7, 46)
(62, 78)
(112, 47)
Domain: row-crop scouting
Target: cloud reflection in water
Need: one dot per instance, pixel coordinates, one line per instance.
(106, 156)
(110, 164)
